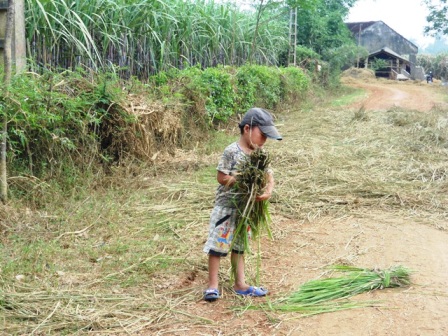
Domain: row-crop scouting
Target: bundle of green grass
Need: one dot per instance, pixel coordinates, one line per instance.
(250, 182)
(324, 295)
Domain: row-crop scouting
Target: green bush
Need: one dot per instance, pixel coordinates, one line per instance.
(294, 82)
(218, 87)
(378, 64)
(246, 90)
(307, 58)
(213, 88)
(338, 59)
(225, 91)
(65, 126)
(262, 80)
(54, 121)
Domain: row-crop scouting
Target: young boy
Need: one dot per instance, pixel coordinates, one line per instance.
(256, 126)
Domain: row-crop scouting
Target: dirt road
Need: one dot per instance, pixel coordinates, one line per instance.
(385, 94)
(372, 237)
(382, 239)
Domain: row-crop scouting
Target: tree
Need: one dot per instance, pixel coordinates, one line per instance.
(320, 23)
(6, 81)
(437, 18)
(269, 10)
(322, 27)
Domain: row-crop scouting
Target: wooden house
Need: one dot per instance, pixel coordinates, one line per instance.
(382, 42)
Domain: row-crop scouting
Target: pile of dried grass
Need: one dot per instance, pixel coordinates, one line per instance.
(141, 128)
(358, 73)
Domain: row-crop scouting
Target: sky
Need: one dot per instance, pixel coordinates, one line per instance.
(406, 17)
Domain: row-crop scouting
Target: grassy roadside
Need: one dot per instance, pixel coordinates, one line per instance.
(94, 264)
(127, 255)
(99, 260)
(349, 97)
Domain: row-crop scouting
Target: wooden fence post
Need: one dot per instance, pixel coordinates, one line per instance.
(18, 43)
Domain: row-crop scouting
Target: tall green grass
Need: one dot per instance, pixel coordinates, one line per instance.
(143, 37)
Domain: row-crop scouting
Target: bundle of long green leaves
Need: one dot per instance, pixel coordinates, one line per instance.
(250, 182)
(321, 295)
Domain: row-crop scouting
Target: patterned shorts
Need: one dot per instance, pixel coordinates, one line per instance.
(222, 227)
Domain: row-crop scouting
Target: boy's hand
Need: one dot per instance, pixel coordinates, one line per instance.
(263, 197)
(267, 192)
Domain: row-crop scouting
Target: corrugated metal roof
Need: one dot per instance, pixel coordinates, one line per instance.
(389, 52)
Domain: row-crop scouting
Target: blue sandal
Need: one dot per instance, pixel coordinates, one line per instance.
(252, 291)
(211, 294)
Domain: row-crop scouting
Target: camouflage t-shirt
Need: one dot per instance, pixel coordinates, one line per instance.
(228, 163)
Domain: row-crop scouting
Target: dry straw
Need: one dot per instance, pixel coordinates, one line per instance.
(154, 127)
(336, 164)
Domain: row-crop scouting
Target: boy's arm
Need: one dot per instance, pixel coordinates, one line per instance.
(225, 179)
(268, 189)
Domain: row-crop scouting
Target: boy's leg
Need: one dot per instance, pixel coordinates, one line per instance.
(240, 286)
(238, 267)
(213, 269)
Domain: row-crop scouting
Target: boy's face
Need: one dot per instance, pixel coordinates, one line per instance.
(254, 137)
